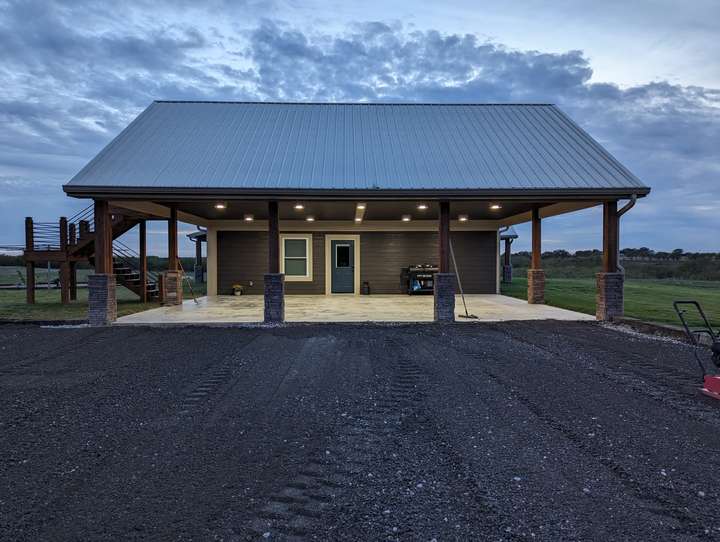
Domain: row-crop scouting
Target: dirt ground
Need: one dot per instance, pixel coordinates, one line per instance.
(513, 431)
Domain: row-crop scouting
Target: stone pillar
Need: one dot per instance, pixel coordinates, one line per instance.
(173, 294)
(274, 298)
(536, 286)
(444, 297)
(609, 300)
(102, 304)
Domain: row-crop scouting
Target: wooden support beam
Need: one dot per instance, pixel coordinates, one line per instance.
(63, 234)
(73, 280)
(536, 239)
(444, 237)
(103, 239)
(29, 266)
(72, 234)
(508, 242)
(64, 274)
(273, 237)
(611, 237)
(143, 261)
(172, 239)
(64, 282)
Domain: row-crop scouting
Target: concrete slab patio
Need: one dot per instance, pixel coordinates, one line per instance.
(375, 308)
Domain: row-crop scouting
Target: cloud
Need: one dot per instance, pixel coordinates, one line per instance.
(77, 74)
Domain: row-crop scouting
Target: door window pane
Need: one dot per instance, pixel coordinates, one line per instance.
(342, 255)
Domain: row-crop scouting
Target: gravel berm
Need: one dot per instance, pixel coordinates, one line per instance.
(513, 431)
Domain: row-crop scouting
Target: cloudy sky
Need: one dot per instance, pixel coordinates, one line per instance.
(642, 77)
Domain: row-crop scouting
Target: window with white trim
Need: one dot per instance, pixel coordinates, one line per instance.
(296, 256)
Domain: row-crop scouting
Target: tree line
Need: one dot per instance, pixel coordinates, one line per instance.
(641, 263)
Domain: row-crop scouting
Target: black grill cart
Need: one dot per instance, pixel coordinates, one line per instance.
(420, 278)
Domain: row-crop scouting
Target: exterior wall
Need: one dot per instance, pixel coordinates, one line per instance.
(242, 258)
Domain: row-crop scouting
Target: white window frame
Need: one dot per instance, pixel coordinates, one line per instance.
(308, 238)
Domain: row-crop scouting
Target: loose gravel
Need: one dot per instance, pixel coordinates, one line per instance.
(514, 431)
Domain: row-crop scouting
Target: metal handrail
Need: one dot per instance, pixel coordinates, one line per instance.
(130, 257)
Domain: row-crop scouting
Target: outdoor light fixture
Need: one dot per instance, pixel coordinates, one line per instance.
(495, 206)
(406, 218)
(310, 219)
(249, 218)
(361, 206)
(422, 206)
(299, 206)
(220, 205)
(463, 218)
(358, 219)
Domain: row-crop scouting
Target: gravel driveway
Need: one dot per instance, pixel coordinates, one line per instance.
(514, 431)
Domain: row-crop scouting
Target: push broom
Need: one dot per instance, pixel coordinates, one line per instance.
(457, 276)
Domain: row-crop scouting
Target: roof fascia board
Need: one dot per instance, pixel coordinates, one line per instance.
(178, 194)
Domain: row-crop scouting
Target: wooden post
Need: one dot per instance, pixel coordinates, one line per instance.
(103, 239)
(536, 239)
(507, 251)
(172, 239)
(84, 228)
(611, 234)
(536, 275)
(64, 265)
(29, 266)
(273, 280)
(444, 237)
(73, 281)
(72, 234)
(142, 264)
(273, 237)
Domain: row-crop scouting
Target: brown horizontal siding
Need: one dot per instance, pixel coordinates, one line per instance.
(476, 253)
(383, 255)
(242, 258)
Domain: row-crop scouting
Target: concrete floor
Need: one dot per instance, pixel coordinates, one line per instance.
(338, 308)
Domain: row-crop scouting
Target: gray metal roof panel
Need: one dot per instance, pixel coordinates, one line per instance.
(242, 145)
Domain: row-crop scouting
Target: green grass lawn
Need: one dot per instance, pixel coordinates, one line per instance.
(48, 307)
(645, 299)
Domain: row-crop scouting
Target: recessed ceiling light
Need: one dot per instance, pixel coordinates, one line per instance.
(463, 218)
(358, 219)
(422, 206)
(249, 218)
(361, 206)
(495, 206)
(310, 219)
(221, 205)
(406, 218)
(299, 207)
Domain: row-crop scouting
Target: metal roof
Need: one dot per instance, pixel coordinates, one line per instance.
(307, 146)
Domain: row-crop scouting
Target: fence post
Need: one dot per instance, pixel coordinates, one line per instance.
(29, 265)
(64, 264)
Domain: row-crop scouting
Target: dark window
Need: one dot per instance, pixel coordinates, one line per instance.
(342, 255)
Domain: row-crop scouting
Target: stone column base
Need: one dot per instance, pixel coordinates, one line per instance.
(173, 290)
(609, 300)
(102, 303)
(536, 286)
(274, 298)
(444, 297)
(507, 274)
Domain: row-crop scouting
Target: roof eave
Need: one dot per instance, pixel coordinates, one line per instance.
(174, 194)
